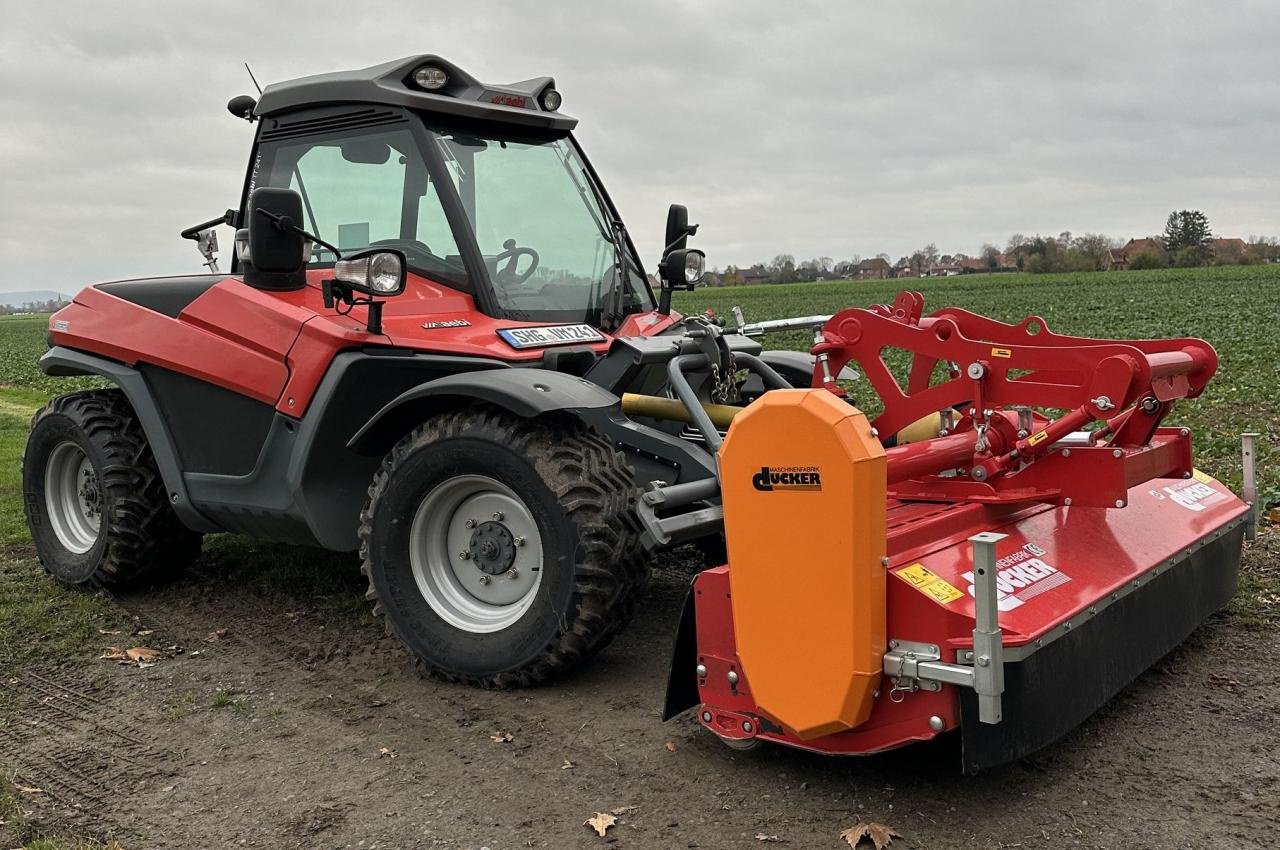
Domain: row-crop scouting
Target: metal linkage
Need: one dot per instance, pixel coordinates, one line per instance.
(988, 644)
(918, 666)
(1248, 451)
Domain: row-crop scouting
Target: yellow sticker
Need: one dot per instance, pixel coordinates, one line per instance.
(930, 584)
(1001, 352)
(1202, 477)
(1037, 438)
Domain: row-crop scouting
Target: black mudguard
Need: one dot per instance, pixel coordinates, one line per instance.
(525, 392)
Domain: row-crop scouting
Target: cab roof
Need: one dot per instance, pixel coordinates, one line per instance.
(392, 83)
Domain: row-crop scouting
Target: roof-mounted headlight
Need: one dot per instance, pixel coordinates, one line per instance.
(430, 77)
(551, 100)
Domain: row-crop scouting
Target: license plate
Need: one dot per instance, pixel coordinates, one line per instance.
(549, 335)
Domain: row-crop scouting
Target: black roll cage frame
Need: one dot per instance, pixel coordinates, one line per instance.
(480, 285)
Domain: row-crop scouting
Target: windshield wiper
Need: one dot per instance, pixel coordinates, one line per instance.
(613, 304)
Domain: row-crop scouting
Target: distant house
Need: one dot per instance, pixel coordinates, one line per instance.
(755, 274)
(973, 265)
(876, 268)
(1119, 259)
(905, 271)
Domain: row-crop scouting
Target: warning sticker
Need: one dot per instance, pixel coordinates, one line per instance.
(1001, 352)
(930, 584)
(1202, 476)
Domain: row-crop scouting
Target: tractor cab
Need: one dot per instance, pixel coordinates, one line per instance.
(472, 188)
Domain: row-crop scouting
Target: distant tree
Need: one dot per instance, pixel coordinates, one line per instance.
(883, 256)
(990, 256)
(1089, 252)
(782, 268)
(1146, 259)
(1187, 229)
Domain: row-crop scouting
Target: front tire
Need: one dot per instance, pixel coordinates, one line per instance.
(502, 551)
(96, 506)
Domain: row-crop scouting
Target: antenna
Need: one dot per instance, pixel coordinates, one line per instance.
(252, 77)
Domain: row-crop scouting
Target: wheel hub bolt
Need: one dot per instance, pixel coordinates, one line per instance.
(513, 574)
(498, 516)
(484, 579)
(520, 541)
(471, 523)
(464, 555)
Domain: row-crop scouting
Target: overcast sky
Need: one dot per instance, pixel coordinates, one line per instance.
(811, 129)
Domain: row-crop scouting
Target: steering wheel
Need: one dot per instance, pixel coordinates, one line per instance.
(509, 275)
(409, 246)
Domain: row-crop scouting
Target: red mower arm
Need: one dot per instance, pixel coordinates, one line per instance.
(989, 371)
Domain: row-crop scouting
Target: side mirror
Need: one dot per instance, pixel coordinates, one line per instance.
(680, 267)
(677, 235)
(277, 250)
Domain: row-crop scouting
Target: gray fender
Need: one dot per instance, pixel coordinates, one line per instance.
(525, 392)
(59, 361)
(794, 364)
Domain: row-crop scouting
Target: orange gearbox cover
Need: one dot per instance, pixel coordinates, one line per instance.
(803, 483)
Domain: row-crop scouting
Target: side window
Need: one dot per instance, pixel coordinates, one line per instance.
(368, 189)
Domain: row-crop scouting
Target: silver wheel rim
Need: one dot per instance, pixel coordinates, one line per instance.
(464, 533)
(73, 498)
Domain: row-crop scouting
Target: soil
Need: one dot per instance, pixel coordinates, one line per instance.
(304, 726)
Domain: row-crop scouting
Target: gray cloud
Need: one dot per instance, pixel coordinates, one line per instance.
(801, 128)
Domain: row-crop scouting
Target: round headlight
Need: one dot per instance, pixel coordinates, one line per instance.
(551, 100)
(430, 77)
(384, 273)
(695, 264)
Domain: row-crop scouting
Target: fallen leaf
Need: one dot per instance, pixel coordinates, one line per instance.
(879, 834)
(600, 822)
(144, 632)
(671, 746)
(622, 810)
(568, 765)
(216, 635)
(387, 752)
(142, 655)
(113, 653)
(27, 789)
(109, 631)
(501, 737)
(772, 839)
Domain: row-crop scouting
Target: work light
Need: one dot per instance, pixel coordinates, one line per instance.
(374, 272)
(551, 100)
(430, 77)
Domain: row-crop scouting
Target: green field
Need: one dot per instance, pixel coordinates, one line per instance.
(1230, 306)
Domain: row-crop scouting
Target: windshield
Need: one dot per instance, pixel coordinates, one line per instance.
(551, 247)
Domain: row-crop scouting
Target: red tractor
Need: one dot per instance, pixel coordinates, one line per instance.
(437, 346)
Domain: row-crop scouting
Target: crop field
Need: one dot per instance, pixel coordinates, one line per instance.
(1233, 307)
(278, 713)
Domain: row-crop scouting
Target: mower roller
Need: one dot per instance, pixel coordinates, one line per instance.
(436, 346)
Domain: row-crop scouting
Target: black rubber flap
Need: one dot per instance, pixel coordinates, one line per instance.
(682, 679)
(1056, 688)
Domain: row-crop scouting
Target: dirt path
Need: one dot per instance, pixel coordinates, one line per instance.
(273, 736)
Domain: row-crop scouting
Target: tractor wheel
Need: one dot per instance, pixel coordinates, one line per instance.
(97, 508)
(502, 551)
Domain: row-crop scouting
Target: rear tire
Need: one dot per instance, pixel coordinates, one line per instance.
(96, 506)
(502, 551)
